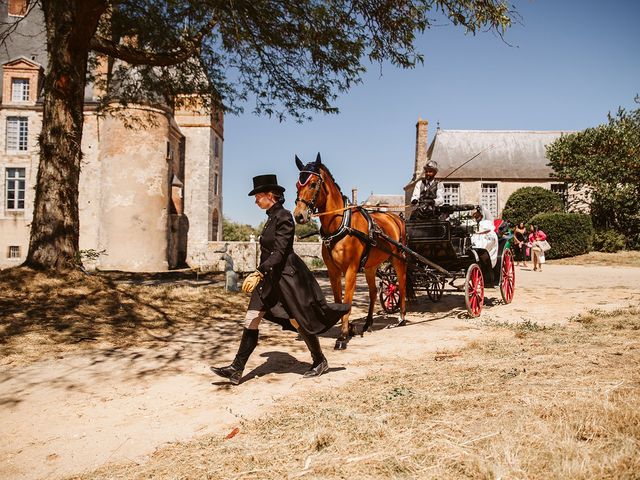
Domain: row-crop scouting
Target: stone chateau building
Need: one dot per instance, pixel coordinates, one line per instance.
(507, 160)
(149, 198)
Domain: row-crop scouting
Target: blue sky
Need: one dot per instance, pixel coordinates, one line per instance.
(570, 63)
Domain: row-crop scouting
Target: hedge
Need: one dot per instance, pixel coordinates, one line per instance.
(609, 241)
(569, 234)
(526, 202)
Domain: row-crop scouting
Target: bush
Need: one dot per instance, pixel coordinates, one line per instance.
(238, 232)
(609, 241)
(526, 202)
(306, 229)
(633, 241)
(569, 234)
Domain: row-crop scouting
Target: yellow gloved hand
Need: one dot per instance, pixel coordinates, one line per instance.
(251, 282)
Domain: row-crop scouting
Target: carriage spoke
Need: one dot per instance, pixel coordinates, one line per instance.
(474, 290)
(508, 277)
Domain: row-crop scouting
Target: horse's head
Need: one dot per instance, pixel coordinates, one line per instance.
(310, 191)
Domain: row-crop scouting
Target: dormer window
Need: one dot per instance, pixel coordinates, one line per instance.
(18, 8)
(19, 89)
(20, 81)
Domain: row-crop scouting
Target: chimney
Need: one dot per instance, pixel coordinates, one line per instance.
(421, 147)
(354, 196)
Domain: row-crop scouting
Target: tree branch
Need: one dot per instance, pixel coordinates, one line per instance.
(8, 28)
(136, 56)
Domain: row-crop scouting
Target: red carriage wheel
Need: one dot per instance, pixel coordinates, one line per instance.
(474, 290)
(389, 296)
(507, 276)
(389, 289)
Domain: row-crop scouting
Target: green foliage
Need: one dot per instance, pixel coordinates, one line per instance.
(609, 241)
(605, 161)
(289, 57)
(569, 234)
(526, 202)
(317, 264)
(307, 228)
(237, 232)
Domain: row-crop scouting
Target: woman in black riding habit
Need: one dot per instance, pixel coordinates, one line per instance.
(282, 288)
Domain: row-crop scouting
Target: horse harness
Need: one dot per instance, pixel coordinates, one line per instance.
(329, 240)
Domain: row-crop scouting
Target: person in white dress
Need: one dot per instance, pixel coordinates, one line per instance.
(486, 236)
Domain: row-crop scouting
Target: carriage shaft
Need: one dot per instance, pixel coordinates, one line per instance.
(419, 257)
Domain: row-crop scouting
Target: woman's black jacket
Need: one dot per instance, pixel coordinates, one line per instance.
(289, 289)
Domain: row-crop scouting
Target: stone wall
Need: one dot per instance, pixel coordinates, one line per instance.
(243, 257)
(15, 224)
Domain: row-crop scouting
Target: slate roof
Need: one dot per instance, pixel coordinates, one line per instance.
(506, 154)
(385, 200)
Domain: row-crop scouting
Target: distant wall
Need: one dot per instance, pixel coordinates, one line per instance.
(241, 256)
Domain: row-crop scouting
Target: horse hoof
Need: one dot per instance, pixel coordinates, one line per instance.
(340, 345)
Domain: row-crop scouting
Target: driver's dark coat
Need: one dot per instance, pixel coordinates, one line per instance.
(289, 289)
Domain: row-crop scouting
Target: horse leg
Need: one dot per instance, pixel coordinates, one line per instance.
(349, 290)
(336, 286)
(370, 275)
(400, 267)
(335, 277)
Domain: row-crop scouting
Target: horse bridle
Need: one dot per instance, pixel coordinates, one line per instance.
(311, 205)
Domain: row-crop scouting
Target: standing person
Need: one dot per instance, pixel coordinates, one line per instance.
(520, 244)
(283, 289)
(428, 192)
(535, 235)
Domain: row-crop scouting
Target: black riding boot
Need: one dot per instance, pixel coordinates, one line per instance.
(234, 371)
(320, 364)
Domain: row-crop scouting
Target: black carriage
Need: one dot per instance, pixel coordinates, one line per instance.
(440, 257)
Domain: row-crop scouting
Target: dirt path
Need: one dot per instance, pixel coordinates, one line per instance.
(76, 413)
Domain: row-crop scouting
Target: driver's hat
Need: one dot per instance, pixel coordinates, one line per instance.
(431, 165)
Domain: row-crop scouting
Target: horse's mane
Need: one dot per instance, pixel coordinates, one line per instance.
(326, 170)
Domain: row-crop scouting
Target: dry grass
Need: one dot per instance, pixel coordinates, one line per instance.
(43, 316)
(535, 403)
(627, 258)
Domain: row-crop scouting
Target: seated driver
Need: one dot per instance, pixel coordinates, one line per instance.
(486, 236)
(428, 192)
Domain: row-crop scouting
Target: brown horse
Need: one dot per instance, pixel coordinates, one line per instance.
(350, 239)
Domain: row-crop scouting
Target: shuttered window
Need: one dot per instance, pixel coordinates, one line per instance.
(452, 193)
(489, 198)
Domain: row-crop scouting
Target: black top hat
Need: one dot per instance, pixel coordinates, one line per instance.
(265, 183)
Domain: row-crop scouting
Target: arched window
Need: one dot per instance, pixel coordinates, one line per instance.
(215, 223)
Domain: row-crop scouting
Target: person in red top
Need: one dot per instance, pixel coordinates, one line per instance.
(535, 235)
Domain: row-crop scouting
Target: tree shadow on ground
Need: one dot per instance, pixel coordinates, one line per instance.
(47, 316)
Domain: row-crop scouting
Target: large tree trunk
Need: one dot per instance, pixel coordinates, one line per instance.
(70, 25)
